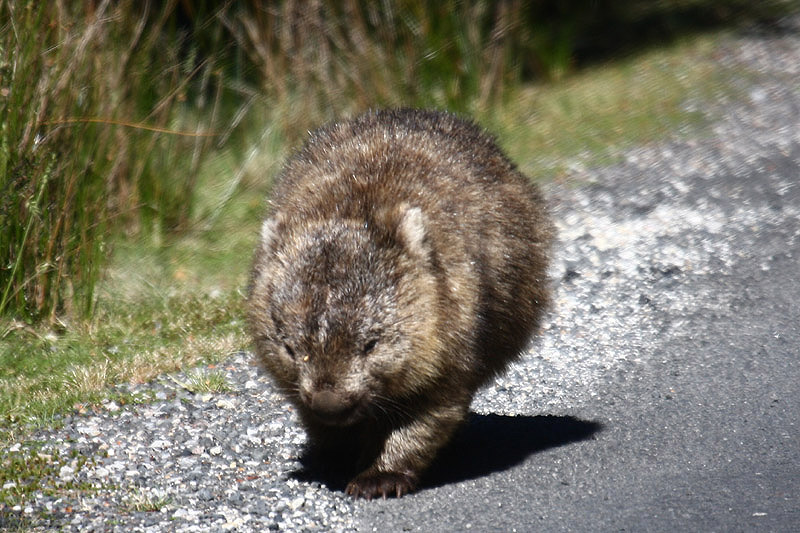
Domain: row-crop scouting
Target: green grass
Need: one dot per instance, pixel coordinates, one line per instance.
(43, 376)
(163, 305)
(99, 132)
(591, 116)
(202, 382)
(153, 316)
(37, 467)
(110, 111)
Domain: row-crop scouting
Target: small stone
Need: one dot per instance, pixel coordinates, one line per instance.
(90, 430)
(215, 450)
(187, 462)
(758, 95)
(226, 403)
(297, 503)
(66, 473)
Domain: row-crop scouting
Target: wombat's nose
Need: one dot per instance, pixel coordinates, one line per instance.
(330, 404)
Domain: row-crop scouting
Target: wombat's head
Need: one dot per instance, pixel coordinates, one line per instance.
(342, 312)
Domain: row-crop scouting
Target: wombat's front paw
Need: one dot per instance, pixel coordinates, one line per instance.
(373, 484)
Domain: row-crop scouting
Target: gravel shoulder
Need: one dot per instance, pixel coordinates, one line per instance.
(663, 395)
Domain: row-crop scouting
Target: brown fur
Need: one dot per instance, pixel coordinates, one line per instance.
(401, 267)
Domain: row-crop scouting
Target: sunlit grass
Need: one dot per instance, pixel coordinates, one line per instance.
(204, 381)
(95, 138)
(41, 378)
(591, 116)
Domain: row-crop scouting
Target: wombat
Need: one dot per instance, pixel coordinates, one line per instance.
(402, 266)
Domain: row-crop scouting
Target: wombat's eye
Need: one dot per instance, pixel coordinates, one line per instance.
(370, 345)
(288, 350)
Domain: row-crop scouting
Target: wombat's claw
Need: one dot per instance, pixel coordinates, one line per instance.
(384, 484)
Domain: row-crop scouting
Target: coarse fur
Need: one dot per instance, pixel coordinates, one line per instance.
(402, 266)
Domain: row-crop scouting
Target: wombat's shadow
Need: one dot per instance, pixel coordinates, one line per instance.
(484, 444)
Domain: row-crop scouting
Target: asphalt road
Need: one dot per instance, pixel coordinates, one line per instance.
(700, 433)
(665, 394)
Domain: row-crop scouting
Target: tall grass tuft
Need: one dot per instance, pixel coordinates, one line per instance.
(88, 96)
(321, 59)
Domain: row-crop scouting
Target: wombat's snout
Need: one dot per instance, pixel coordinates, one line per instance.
(331, 406)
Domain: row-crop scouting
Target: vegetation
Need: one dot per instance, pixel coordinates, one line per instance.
(200, 382)
(38, 467)
(74, 165)
(137, 144)
(145, 502)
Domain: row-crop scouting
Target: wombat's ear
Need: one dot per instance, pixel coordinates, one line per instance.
(269, 232)
(412, 232)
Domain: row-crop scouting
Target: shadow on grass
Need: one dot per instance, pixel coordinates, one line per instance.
(484, 445)
(600, 30)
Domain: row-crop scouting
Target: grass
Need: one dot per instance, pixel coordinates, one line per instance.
(145, 502)
(128, 341)
(202, 382)
(110, 109)
(344, 56)
(163, 305)
(37, 468)
(593, 115)
(82, 152)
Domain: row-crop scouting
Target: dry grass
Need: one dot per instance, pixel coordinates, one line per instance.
(89, 107)
(143, 501)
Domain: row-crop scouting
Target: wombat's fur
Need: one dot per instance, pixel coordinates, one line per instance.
(401, 267)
